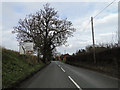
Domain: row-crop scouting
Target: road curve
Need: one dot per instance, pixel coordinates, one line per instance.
(60, 75)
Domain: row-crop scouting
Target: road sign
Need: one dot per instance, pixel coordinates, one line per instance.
(26, 48)
(119, 37)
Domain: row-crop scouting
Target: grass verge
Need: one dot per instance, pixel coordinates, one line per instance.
(16, 68)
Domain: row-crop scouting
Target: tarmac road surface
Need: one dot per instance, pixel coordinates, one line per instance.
(61, 75)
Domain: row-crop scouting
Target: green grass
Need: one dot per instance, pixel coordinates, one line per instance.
(16, 67)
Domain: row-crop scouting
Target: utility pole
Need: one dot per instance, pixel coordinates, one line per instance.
(93, 40)
(65, 51)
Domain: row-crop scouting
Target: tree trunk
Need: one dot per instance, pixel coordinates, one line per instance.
(38, 55)
(44, 58)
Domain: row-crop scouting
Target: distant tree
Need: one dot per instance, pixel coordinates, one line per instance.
(45, 29)
(83, 50)
(73, 54)
(78, 52)
(89, 48)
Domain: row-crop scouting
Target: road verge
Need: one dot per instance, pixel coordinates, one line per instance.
(17, 68)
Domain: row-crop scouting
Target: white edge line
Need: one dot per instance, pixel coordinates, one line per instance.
(63, 69)
(75, 83)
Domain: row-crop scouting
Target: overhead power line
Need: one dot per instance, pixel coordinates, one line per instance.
(86, 25)
(104, 9)
(98, 14)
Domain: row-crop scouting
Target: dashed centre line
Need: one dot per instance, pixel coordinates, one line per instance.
(71, 79)
(75, 83)
(63, 69)
(59, 65)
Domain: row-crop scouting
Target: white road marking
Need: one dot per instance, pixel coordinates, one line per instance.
(59, 65)
(75, 83)
(63, 69)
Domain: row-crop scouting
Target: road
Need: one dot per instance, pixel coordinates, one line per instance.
(60, 75)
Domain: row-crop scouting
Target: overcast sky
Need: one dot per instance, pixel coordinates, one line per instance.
(79, 13)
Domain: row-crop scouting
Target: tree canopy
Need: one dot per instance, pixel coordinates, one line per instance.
(45, 29)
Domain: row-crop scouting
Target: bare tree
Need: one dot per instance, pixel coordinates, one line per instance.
(45, 29)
